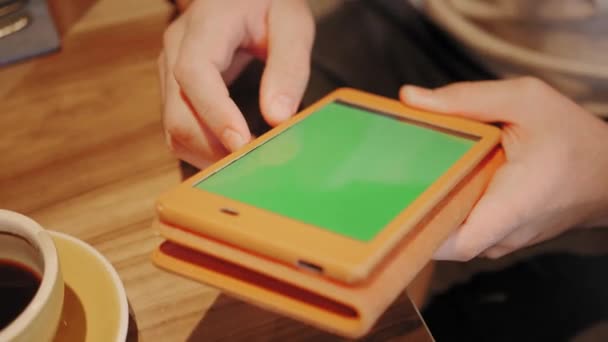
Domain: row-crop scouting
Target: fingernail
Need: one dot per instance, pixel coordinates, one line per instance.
(281, 108)
(414, 93)
(232, 139)
(420, 97)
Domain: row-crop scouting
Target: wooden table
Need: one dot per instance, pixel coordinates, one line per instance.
(82, 152)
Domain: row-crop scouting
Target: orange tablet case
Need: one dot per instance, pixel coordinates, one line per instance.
(345, 259)
(342, 309)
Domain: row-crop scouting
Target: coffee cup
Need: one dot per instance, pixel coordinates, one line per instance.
(31, 283)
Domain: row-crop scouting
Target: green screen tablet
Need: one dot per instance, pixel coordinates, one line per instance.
(346, 169)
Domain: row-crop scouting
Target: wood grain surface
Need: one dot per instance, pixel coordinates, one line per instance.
(82, 152)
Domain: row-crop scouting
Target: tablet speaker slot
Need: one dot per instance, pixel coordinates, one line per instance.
(229, 211)
(310, 267)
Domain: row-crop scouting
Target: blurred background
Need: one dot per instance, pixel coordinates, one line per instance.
(82, 151)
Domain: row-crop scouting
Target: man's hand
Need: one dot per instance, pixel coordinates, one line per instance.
(207, 47)
(556, 174)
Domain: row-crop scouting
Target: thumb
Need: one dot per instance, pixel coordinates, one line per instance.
(504, 101)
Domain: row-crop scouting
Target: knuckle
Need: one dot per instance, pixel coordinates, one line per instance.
(183, 69)
(170, 34)
(172, 146)
(178, 131)
(170, 142)
(516, 240)
(466, 253)
(494, 254)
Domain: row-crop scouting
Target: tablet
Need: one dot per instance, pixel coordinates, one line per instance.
(335, 188)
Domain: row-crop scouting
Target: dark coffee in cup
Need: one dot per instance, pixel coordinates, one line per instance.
(31, 284)
(18, 286)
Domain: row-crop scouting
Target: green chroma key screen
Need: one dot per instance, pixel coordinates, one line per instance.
(344, 168)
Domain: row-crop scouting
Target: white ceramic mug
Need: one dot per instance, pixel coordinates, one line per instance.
(24, 242)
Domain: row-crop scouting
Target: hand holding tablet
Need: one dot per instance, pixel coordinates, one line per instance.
(555, 176)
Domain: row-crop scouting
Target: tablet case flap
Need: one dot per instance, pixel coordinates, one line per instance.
(339, 308)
